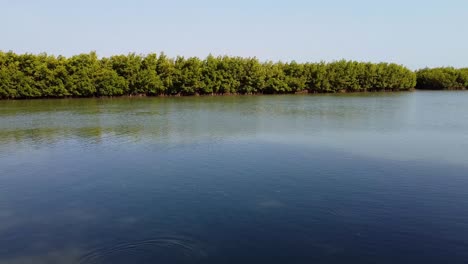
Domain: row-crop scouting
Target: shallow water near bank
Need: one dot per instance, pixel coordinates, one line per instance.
(360, 178)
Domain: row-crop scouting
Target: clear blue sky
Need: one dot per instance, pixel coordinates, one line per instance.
(415, 33)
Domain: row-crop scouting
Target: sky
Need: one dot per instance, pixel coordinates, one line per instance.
(414, 33)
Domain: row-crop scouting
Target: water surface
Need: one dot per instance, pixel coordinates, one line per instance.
(360, 178)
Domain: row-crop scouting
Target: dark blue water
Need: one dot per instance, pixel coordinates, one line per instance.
(285, 179)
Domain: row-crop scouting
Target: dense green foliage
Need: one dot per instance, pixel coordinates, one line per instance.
(447, 78)
(86, 75)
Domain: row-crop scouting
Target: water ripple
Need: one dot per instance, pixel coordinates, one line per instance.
(175, 248)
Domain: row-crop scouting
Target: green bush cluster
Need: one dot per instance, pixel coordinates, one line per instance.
(86, 75)
(446, 78)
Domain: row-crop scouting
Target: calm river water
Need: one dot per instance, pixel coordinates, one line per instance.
(360, 178)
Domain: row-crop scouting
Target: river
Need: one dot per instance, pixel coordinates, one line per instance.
(349, 178)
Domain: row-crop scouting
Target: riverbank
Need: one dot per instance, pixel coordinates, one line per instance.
(86, 75)
(29, 76)
(215, 95)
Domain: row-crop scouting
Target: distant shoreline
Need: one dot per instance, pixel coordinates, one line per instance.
(30, 76)
(228, 95)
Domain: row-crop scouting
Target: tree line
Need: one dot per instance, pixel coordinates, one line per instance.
(444, 78)
(87, 75)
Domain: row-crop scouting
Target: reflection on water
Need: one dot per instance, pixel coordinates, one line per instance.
(396, 126)
(369, 178)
